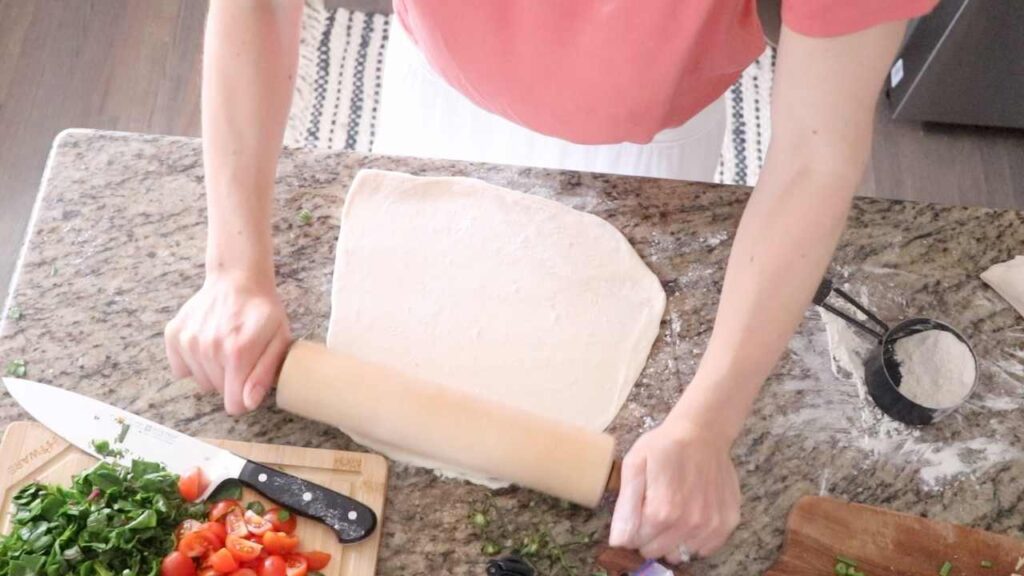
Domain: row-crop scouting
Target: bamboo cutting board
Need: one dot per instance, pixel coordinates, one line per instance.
(30, 452)
(883, 542)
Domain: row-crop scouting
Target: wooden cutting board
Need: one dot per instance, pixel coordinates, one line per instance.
(30, 452)
(884, 542)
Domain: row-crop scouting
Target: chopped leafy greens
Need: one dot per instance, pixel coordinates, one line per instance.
(114, 520)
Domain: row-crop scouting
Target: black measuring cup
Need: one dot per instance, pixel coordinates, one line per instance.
(882, 373)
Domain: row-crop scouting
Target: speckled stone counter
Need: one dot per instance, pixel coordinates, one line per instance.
(116, 247)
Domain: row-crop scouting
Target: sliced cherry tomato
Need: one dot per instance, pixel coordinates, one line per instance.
(223, 562)
(273, 566)
(198, 543)
(177, 564)
(282, 520)
(255, 523)
(185, 527)
(280, 543)
(220, 509)
(216, 529)
(316, 559)
(192, 485)
(244, 572)
(296, 565)
(208, 572)
(234, 522)
(242, 549)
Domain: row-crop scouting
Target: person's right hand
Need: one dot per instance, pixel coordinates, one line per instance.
(231, 337)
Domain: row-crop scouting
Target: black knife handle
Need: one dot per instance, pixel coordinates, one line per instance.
(350, 519)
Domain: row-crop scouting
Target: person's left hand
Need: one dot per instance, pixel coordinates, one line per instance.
(679, 494)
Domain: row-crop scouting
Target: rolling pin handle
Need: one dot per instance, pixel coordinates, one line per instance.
(614, 478)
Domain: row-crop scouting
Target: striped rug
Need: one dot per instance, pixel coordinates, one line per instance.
(337, 89)
(337, 92)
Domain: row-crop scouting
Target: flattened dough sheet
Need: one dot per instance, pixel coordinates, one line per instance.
(511, 296)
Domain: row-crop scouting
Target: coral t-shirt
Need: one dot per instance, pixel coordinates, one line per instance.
(609, 71)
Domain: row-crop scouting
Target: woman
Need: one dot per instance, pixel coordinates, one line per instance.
(608, 85)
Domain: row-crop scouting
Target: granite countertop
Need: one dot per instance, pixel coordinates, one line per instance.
(116, 247)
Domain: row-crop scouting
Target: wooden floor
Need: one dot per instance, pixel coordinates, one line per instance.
(134, 65)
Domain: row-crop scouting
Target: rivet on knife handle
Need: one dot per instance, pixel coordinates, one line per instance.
(350, 519)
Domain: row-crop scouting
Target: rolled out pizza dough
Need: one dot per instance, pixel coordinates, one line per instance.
(510, 296)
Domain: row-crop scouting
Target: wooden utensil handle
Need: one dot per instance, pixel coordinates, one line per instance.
(622, 562)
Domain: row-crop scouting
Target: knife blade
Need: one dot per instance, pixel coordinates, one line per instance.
(80, 420)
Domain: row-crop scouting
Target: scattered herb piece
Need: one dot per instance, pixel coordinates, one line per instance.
(53, 269)
(123, 433)
(17, 368)
(14, 313)
(256, 506)
(947, 566)
(103, 448)
(479, 519)
(305, 216)
(283, 515)
(490, 549)
(986, 563)
(841, 569)
(847, 561)
(226, 490)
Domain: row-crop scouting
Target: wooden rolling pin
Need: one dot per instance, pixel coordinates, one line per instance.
(446, 425)
(451, 426)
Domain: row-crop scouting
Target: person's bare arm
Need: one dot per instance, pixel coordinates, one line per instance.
(679, 485)
(231, 335)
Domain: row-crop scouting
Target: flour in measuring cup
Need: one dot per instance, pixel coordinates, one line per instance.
(937, 369)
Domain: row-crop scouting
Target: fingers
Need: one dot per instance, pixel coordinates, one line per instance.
(229, 337)
(690, 500)
(629, 506)
(241, 355)
(262, 376)
(178, 367)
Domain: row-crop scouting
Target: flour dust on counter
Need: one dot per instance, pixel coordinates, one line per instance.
(835, 408)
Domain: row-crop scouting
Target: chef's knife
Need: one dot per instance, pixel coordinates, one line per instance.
(81, 420)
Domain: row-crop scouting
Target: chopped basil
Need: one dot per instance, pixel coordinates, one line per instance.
(256, 506)
(113, 520)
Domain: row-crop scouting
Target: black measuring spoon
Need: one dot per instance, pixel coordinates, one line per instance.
(882, 374)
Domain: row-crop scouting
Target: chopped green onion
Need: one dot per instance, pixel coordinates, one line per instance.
(946, 568)
(17, 368)
(841, 569)
(986, 563)
(479, 519)
(305, 216)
